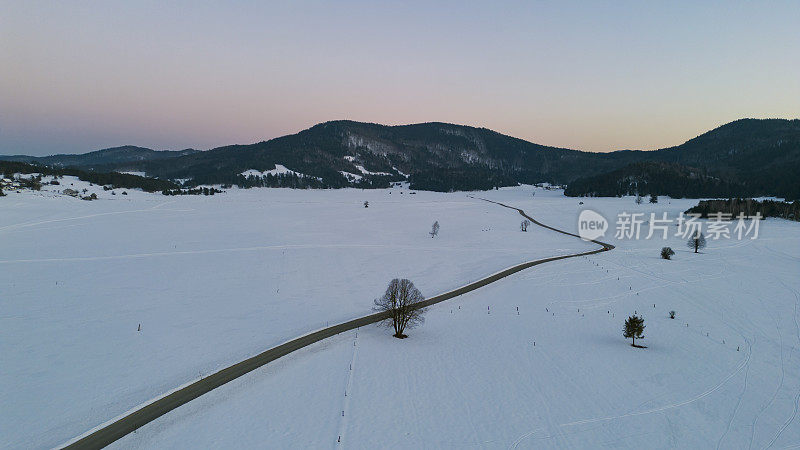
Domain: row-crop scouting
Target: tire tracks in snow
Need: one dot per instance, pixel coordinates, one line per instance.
(116, 428)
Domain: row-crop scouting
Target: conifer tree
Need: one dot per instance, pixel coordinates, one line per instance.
(697, 242)
(634, 327)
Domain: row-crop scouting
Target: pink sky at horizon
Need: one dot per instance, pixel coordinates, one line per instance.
(591, 76)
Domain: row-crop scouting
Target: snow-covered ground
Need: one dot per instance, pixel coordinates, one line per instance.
(211, 280)
(215, 279)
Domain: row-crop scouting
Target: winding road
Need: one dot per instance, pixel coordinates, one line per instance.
(109, 432)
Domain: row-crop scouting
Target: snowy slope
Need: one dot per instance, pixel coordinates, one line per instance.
(723, 374)
(278, 170)
(211, 280)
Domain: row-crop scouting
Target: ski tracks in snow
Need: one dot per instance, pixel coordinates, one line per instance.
(796, 397)
(736, 408)
(90, 216)
(704, 394)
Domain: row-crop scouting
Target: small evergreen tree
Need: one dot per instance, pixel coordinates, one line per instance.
(697, 242)
(667, 252)
(634, 327)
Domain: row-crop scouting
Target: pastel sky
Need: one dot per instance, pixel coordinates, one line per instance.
(79, 76)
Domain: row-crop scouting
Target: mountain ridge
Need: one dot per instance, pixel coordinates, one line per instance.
(751, 156)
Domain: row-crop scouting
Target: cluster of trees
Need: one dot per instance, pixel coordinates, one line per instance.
(296, 181)
(285, 180)
(461, 179)
(116, 179)
(748, 206)
(32, 182)
(654, 179)
(195, 191)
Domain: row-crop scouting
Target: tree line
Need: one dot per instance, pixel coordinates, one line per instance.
(748, 207)
(116, 179)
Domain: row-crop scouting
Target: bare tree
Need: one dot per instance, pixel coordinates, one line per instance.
(524, 225)
(634, 327)
(401, 300)
(434, 229)
(638, 199)
(697, 242)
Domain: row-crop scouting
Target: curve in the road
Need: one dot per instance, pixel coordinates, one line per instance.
(106, 434)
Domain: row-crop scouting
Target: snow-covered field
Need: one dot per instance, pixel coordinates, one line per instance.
(214, 279)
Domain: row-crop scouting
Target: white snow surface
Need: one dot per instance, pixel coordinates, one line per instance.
(367, 172)
(351, 176)
(215, 279)
(361, 169)
(211, 280)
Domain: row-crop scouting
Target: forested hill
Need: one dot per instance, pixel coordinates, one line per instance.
(747, 157)
(100, 159)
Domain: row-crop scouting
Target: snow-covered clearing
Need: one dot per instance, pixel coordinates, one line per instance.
(362, 169)
(132, 172)
(211, 280)
(367, 172)
(215, 279)
(351, 176)
(278, 170)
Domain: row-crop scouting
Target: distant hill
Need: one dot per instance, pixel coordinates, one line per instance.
(436, 156)
(115, 157)
(746, 157)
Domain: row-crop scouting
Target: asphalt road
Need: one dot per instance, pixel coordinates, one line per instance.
(109, 433)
